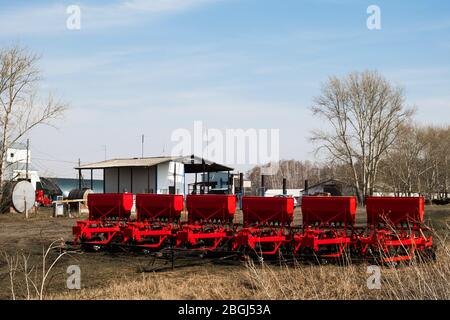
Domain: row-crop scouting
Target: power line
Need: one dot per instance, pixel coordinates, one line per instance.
(49, 155)
(55, 160)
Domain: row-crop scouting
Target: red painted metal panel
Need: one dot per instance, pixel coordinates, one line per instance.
(158, 206)
(210, 207)
(328, 210)
(267, 209)
(110, 205)
(394, 210)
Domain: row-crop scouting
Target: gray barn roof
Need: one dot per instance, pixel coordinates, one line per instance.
(192, 164)
(131, 162)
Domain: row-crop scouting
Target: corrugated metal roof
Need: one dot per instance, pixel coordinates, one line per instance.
(130, 162)
(192, 164)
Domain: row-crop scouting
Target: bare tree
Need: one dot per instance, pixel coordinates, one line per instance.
(364, 112)
(295, 172)
(436, 141)
(21, 109)
(419, 162)
(403, 166)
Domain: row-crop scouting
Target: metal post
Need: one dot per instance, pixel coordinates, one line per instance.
(241, 188)
(174, 178)
(79, 174)
(118, 180)
(208, 182)
(262, 186)
(202, 191)
(241, 183)
(284, 187)
(131, 178)
(104, 181)
(26, 164)
(92, 179)
(148, 179)
(26, 209)
(142, 147)
(195, 184)
(156, 179)
(305, 191)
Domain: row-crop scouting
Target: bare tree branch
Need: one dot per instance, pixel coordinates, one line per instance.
(22, 109)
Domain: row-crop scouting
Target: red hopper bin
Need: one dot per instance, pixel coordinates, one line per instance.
(210, 207)
(329, 210)
(267, 209)
(158, 206)
(110, 205)
(394, 210)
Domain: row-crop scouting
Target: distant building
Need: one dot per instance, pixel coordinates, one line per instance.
(216, 181)
(219, 181)
(161, 175)
(246, 185)
(331, 186)
(18, 164)
(296, 193)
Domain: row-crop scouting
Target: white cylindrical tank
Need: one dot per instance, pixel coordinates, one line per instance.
(20, 195)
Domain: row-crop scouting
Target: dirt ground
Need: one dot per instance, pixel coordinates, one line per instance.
(30, 236)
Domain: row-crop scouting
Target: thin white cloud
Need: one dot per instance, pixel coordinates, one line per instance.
(162, 5)
(32, 20)
(51, 19)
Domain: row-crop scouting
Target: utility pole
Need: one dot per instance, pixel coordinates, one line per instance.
(174, 178)
(104, 146)
(142, 147)
(79, 174)
(26, 164)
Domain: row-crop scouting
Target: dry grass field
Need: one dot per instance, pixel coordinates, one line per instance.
(129, 276)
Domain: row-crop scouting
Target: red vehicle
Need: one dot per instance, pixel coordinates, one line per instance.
(42, 199)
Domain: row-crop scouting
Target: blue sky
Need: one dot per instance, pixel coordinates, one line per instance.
(150, 67)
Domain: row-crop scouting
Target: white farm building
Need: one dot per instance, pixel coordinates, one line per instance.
(162, 175)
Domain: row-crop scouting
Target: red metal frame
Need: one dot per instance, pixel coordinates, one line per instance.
(266, 222)
(209, 222)
(158, 218)
(327, 226)
(108, 215)
(395, 230)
